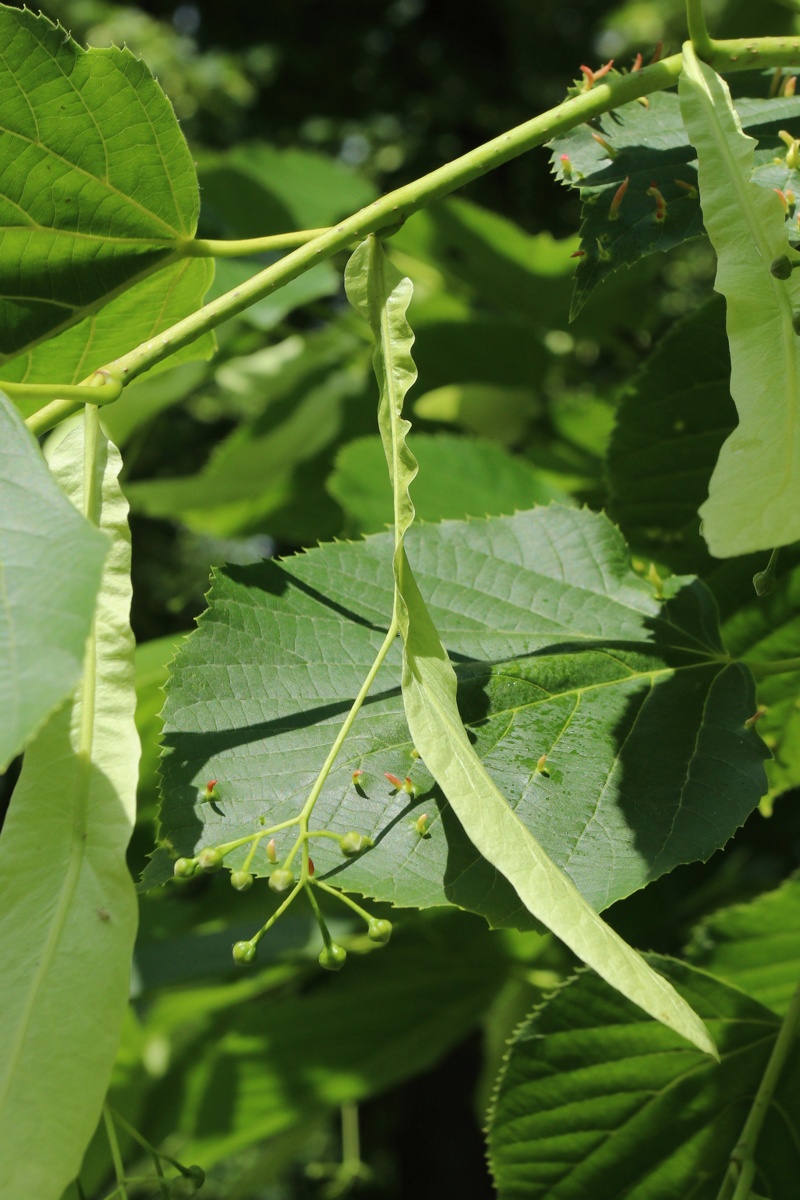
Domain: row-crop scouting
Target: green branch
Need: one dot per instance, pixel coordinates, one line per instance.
(383, 214)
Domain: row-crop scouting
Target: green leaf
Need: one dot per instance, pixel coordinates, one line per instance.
(459, 477)
(265, 1061)
(50, 565)
(669, 430)
(147, 308)
(755, 945)
(650, 149)
(754, 497)
(559, 648)
(767, 629)
(429, 688)
(99, 185)
(597, 1101)
(67, 903)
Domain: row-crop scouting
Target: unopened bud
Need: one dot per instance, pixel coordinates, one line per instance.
(332, 957)
(241, 881)
(244, 952)
(209, 859)
(379, 930)
(281, 880)
(354, 843)
(184, 868)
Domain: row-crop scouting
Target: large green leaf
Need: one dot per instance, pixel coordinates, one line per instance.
(67, 903)
(459, 477)
(670, 427)
(595, 1101)
(50, 565)
(650, 148)
(755, 946)
(429, 688)
(754, 495)
(98, 184)
(249, 1063)
(559, 648)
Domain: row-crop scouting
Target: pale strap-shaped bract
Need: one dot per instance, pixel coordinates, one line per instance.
(376, 288)
(754, 494)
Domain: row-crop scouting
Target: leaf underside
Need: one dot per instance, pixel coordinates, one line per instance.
(559, 648)
(98, 186)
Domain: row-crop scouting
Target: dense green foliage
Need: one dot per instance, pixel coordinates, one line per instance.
(465, 676)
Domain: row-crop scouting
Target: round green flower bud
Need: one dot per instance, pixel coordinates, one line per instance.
(243, 953)
(354, 843)
(781, 267)
(242, 880)
(209, 859)
(764, 582)
(332, 957)
(281, 880)
(379, 931)
(182, 1188)
(197, 1174)
(184, 868)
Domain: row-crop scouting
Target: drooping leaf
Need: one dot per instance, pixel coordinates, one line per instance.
(429, 688)
(99, 188)
(755, 945)
(597, 1101)
(50, 566)
(754, 495)
(459, 477)
(147, 308)
(650, 148)
(67, 903)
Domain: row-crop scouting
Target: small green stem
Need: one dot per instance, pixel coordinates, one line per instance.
(211, 248)
(256, 938)
(780, 667)
(742, 1166)
(698, 31)
(351, 1139)
(313, 795)
(323, 928)
(226, 847)
(345, 899)
(101, 387)
(116, 1156)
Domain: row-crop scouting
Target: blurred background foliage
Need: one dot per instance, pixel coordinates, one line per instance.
(299, 112)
